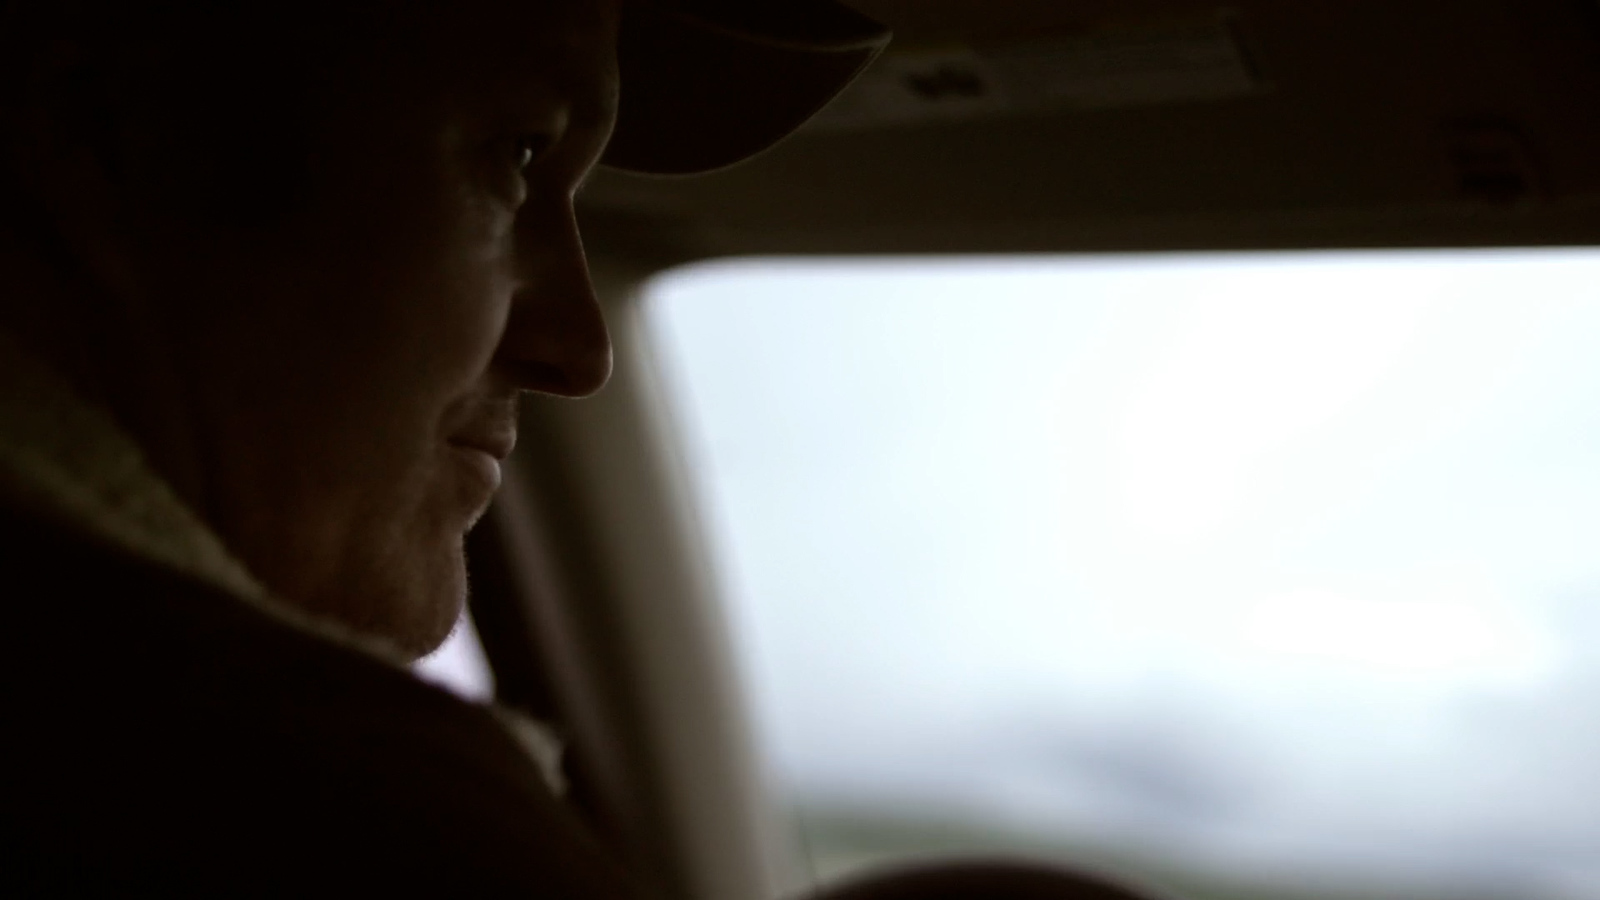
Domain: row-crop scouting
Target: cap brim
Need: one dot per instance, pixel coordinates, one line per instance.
(708, 83)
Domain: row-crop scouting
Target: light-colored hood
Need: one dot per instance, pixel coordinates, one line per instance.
(66, 460)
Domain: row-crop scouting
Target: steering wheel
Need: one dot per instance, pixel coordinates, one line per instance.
(981, 880)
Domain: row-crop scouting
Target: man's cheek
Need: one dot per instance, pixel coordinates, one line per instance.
(469, 329)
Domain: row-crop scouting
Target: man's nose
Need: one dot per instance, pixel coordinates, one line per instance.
(555, 340)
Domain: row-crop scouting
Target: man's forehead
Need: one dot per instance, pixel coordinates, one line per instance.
(703, 83)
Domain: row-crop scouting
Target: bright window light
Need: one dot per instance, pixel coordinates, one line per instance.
(458, 665)
(1265, 572)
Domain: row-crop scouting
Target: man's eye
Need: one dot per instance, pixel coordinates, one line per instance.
(530, 148)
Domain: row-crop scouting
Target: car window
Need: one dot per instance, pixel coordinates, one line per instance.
(459, 664)
(1259, 574)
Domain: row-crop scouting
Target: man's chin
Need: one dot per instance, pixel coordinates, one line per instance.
(434, 614)
(412, 608)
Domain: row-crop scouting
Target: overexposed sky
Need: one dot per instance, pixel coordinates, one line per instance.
(1291, 557)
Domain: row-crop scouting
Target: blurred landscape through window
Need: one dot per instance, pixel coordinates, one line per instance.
(1264, 575)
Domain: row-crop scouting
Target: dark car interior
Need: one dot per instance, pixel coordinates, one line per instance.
(990, 127)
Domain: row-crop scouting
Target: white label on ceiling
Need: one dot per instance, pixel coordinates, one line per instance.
(1162, 62)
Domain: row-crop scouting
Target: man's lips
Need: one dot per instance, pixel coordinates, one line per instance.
(482, 450)
(491, 427)
(497, 442)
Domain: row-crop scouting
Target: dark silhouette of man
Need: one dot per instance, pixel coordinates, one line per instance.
(272, 277)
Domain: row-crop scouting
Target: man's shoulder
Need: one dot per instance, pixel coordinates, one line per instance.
(161, 721)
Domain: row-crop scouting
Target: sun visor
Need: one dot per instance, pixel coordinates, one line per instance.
(707, 83)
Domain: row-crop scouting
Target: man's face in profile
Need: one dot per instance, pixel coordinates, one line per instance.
(352, 368)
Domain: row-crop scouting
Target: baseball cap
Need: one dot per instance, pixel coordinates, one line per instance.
(708, 83)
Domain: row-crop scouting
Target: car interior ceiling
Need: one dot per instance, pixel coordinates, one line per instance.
(1324, 124)
(1362, 124)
